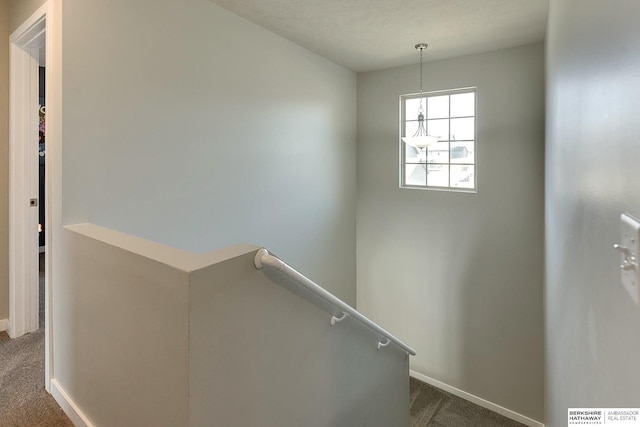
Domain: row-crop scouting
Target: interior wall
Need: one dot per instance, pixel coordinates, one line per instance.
(21, 10)
(187, 125)
(593, 99)
(122, 340)
(284, 367)
(459, 276)
(4, 162)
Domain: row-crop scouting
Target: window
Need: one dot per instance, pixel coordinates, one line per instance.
(449, 163)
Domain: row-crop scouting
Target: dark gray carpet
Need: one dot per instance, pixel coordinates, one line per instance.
(23, 400)
(432, 407)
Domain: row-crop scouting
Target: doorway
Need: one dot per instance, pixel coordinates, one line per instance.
(38, 37)
(42, 130)
(25, 45)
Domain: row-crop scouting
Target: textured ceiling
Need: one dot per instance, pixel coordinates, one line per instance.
(366, 35)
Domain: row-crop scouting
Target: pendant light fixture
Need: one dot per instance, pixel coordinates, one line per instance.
(421, 139)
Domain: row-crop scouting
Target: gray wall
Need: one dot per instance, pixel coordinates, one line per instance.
(263, 353)
(593, 154)
(122, 329)
(21, 10)
(190, 126)
(459, 276)
(4, 160)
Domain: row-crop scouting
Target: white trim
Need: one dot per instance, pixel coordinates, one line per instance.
(4, 324)
(477, 400)
(69, 406)
(31, 21)
(42, 28)
(53, 189)
(25, 44)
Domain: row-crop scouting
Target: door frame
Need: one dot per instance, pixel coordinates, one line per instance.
(25, 44)
(42, 28)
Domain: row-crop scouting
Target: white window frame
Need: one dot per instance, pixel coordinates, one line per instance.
(403, 146)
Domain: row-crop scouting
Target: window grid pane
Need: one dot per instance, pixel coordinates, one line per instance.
(449, 163)
(438, 176)
(416, 175)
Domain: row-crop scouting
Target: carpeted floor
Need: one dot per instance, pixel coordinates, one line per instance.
(432, 407)
(23, 400)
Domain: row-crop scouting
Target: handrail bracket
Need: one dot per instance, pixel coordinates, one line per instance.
(335, 319)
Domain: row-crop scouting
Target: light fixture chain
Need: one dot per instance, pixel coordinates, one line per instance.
(421, 72)
(421, 110)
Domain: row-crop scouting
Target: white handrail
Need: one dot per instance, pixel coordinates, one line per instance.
(263, 258)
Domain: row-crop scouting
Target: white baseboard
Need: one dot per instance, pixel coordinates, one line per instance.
(4, 324)
(477, 400)
(68, 406)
